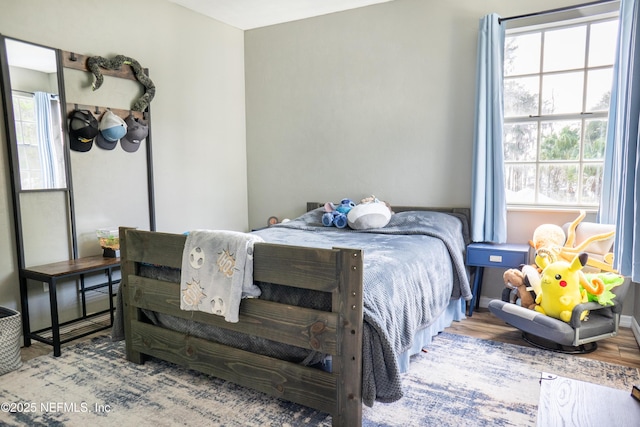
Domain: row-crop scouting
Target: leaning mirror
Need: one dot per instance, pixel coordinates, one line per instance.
(34, 95)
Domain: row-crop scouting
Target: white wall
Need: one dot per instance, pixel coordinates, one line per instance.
(198, 118)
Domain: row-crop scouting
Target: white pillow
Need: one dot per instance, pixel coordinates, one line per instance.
(369, 215)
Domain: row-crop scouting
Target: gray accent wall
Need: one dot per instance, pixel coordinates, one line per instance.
(377, 100)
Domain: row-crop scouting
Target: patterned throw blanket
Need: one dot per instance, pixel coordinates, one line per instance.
(413, 267)
(217, 272)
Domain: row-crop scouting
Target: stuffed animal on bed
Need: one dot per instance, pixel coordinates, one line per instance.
(560, 288)
(369, 213)
(337, 215)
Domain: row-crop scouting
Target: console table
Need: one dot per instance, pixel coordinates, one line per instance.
(51, 274)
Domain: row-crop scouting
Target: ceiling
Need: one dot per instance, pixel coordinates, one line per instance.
(249, 14)
(242, 14)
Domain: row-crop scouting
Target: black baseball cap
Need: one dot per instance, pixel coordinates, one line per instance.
(83, 128)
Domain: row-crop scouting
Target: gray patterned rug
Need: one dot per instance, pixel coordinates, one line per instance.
(458, 381)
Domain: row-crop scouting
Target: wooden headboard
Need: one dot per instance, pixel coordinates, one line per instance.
(465, 212)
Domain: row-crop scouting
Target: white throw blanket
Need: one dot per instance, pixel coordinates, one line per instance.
(217, 272)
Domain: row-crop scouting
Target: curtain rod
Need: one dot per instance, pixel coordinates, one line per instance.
(22, 91)
(51, 95)
(560, 9)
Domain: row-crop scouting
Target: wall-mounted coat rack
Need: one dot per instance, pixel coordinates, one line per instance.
(76, 61)
(98, 111)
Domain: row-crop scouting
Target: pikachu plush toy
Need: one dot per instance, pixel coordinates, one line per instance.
(561, 289)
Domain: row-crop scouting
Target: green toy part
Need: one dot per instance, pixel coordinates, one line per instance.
(610, 281)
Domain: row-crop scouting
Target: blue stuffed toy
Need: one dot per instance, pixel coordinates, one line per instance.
(337, 215)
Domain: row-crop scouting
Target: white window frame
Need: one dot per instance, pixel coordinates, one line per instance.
(554, 23)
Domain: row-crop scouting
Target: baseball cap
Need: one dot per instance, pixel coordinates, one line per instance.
(137, 131)
(83, 128)
(112, 128)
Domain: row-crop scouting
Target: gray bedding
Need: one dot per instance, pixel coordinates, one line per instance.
(413, 267)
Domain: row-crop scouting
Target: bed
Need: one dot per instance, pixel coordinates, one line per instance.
(340, 314)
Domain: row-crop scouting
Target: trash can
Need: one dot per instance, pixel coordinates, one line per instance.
(10, 329)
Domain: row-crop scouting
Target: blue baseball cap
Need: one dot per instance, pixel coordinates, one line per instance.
(112, 128)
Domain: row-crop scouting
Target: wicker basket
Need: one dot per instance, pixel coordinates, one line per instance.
(10, 329)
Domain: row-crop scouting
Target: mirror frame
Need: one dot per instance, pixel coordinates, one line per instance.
(14, 168)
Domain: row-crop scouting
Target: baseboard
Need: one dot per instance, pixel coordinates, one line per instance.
(484, 301)
(635, 328)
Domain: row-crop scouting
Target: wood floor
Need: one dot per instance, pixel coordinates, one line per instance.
(621, 350)
(37, 349)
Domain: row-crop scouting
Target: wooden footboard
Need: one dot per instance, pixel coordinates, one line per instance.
(339, 332)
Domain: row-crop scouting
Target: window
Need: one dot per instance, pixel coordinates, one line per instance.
(557, 85)
(24, 111)
(39, 140)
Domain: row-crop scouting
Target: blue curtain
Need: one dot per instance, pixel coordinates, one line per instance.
(488, 199)
(621, 181)
(44, 133)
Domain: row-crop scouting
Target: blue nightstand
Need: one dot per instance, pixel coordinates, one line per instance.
(500, 255)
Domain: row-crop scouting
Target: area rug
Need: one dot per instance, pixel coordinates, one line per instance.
(458, 381)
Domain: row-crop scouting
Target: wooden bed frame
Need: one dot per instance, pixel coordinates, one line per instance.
(339, 332)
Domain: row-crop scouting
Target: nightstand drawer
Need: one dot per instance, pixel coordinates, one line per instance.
(505, 255)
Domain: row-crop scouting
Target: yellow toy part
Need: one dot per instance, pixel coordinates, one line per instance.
(568, 251)
(550, 242)
(560, 287)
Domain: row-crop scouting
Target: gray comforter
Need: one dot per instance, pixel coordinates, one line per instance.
(413, 267)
